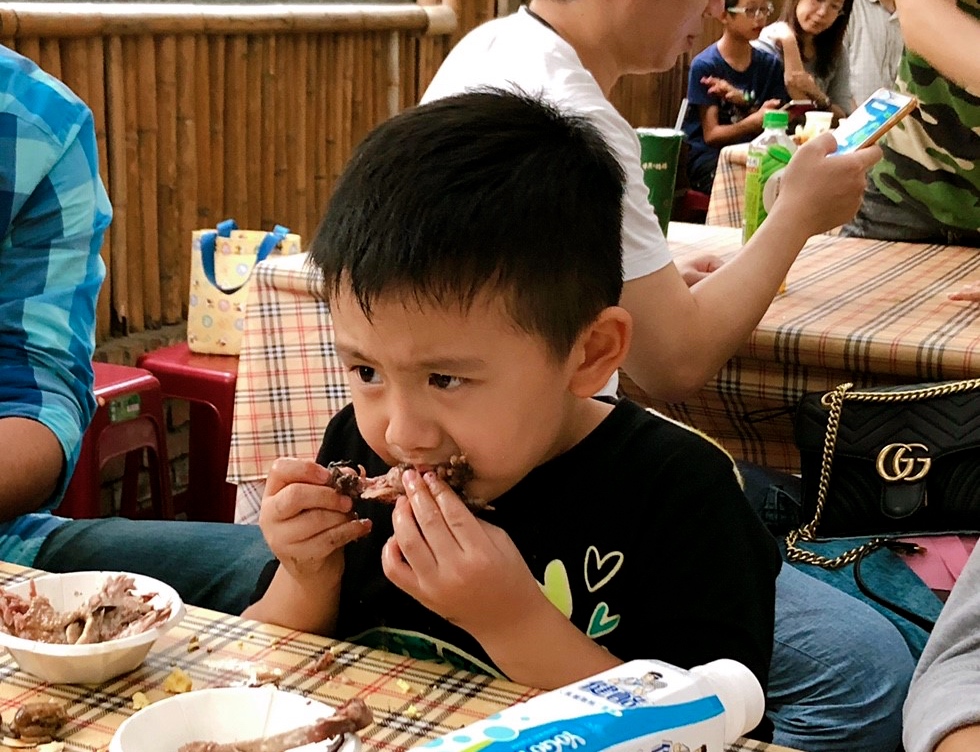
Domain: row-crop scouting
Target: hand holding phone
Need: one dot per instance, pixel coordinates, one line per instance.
(875, 117)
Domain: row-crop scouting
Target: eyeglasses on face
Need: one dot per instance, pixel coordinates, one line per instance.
(762, 12)
(832, 8)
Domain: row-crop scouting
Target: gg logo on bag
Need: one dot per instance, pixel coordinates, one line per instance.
(894, 464)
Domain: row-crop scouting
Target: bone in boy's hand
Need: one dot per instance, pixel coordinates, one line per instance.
(304, 521)
(465, 569)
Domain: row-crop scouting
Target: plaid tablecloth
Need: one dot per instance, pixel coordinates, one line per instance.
(290, 381)
(865, 311)
(728, 190)
(413, 701)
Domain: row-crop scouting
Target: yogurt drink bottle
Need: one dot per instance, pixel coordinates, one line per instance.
(640, 706)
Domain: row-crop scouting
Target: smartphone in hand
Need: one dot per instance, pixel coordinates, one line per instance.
(875, 117)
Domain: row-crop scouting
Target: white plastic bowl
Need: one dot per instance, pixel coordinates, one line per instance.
(222, 715)
(87, 664)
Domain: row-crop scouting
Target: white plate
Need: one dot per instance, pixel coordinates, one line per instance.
(222, 715)
(87, 664)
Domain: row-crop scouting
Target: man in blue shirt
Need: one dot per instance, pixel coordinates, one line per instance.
(53, 213)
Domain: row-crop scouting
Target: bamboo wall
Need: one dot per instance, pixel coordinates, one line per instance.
(247, 111)
(207, 112)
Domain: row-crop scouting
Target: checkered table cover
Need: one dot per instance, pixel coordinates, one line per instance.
(865, 311)
(413, 701)
(727, 201)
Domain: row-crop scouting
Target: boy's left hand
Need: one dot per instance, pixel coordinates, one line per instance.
(462, 568)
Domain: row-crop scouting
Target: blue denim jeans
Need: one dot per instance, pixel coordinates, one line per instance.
(211, 564)
(839, 669)
(839, 672)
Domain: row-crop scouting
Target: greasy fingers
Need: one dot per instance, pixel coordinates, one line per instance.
(286, 470)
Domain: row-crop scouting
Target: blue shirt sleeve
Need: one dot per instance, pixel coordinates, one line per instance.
(53, 215)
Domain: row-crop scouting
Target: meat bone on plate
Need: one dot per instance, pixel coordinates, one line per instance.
(350, 717)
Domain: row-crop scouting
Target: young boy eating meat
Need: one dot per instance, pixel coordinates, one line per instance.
(471, 258)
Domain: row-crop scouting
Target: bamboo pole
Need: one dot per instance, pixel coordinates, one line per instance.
(188, 164)
(29, 47)
(171, 305)
(269, 115)
(133, 252)
(202, 129)
(254, 141)
(51, 56)
(217, 102)
(149, 132)
(321, 120)
(309, 111)
(281, 172)
(117, 277)
(95, 55)
(22, 19)
(235, 203)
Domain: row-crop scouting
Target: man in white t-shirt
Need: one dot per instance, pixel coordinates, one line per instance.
(574, 51)
(839, 670)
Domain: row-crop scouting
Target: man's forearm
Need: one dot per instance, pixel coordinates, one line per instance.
(966, 739)
(30, 466)
(945, 36)
(714, 319)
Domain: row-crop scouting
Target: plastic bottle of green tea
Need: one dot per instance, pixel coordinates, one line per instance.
(769, 153)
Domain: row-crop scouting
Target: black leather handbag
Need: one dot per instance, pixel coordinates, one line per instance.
(887, 462)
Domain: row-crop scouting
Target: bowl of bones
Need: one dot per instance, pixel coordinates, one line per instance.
(85, 627)
(243, 719)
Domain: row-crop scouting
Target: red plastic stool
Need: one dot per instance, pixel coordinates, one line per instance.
(208, 383)
(128, 419)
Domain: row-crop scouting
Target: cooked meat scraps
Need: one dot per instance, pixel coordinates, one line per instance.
(115, 611)
(352, 481)
(352, 716)
(38, 721)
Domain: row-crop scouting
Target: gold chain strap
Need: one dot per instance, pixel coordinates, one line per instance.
(835, 402)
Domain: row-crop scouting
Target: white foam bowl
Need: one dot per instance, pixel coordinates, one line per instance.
(87, 664)
(222, 715)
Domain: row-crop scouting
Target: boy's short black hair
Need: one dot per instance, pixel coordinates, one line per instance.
(488, 191)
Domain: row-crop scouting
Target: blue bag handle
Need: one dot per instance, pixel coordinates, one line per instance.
(224, 230)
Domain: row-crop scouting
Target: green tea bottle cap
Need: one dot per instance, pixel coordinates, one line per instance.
(775, 119)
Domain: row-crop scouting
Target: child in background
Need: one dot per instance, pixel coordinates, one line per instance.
(471, 257)
(731, 85)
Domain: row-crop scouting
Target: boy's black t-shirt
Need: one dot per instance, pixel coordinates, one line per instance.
(640, 534)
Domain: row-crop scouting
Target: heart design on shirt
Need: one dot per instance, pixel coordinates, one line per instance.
(556, 588)
(602, 623)
(600, 569)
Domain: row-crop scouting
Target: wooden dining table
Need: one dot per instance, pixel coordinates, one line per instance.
(413, 701)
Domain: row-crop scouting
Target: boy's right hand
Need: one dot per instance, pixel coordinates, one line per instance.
(824, 191)
(306, 522)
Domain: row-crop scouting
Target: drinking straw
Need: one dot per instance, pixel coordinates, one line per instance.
(681, 114)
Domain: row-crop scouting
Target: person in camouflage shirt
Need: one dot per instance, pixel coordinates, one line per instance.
(927, 186)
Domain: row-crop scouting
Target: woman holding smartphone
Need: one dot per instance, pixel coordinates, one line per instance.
(809, 37)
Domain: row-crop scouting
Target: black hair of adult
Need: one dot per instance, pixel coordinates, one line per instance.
(487, 192)
(829, 44)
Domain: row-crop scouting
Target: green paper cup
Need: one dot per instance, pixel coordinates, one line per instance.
(659, 150)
